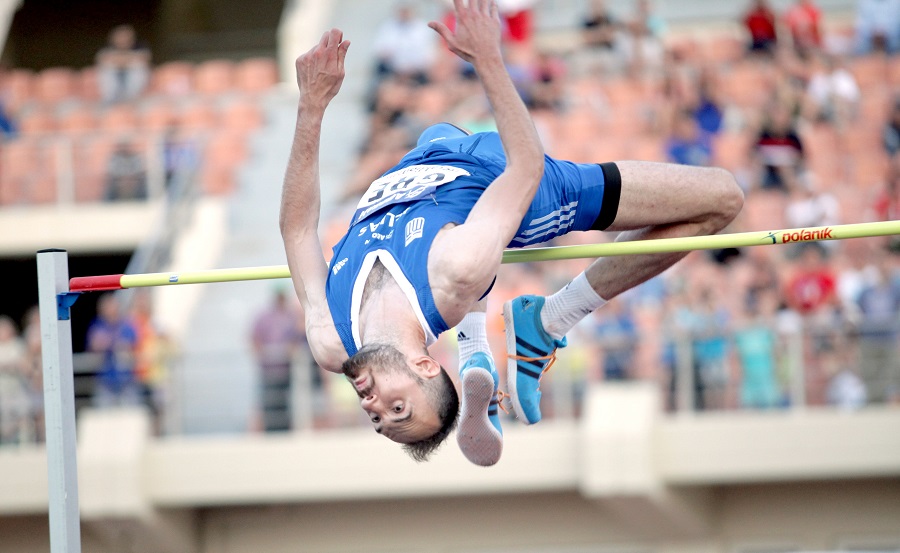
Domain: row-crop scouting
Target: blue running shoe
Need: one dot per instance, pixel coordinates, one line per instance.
(480, 437)
(530, 352)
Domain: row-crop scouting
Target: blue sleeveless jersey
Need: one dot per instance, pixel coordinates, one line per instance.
(437, 183)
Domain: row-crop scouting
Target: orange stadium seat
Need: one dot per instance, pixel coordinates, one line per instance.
(77, 119)
(172, 78)
(55, 85)
(18, 85)
(217, 180)
(87, 85)
(214, 77)
(37, 120)
(225, 149)
(731, 150)
(256, 75)
(870, 70)
(157, 116)
(118, 118)
(19, 160)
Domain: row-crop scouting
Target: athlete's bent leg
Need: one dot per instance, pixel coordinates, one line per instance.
(657, 200)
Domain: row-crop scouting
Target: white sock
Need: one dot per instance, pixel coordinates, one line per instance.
(565, 308)
(471, 335)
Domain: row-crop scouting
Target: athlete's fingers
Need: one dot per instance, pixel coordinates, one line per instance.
(495, 10)
(342, 53)
(442, 30)
(324, 42)
(459, 6)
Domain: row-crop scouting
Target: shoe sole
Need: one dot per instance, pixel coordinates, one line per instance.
(512, 366)
(477, 438)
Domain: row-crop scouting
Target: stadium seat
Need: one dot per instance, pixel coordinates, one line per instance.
(55, 84)
(214, 77)
(199, 115)
(37, 120)
(77, 119)
(157, 116)
(87, 86)
(18, 87)
(257, 75)
(217, 180)
(172, 79)
(119, 118)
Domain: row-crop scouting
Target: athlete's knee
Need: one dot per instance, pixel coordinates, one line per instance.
(724, 195)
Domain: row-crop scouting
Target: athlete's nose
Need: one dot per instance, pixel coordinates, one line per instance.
(368, 400)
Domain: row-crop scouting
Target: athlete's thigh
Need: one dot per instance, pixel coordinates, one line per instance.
(665, 193)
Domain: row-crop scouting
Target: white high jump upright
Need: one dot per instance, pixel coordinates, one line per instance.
(59, 400)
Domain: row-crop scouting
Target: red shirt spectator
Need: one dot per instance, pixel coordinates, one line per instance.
(804, 21)
(760, 23)
(813, 286)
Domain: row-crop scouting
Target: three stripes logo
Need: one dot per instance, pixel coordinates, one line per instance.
(548, 226)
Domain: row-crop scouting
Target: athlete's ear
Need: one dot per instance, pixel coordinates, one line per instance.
(426, 366)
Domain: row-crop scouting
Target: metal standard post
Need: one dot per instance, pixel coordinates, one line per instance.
(59, 402)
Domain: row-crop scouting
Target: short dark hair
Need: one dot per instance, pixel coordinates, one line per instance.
(442, 396)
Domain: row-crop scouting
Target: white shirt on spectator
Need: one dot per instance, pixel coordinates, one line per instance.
(839, 84)
(406, 46)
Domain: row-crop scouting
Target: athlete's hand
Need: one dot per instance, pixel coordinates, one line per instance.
(477, 30)
(320, 71)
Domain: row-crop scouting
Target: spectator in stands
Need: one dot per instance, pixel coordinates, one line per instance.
(16, 424)
(599, 27)
(123, 66)
(809, 206)
(616, 332)
(708, 322)
(760, 21)
(34, 370)
(276, 339)
(688, 145)
(779, 150)
(547, 82)
(114, 337)
(180, 156)
(755, 341)
(126, 178)
(642, 44)
(878, 26)
(879, 330)
(804, 21)
(153, 351)
(846, 390)
(812, 287)
(891, 133)
(832, 94)
(518, 19)
(404, 46)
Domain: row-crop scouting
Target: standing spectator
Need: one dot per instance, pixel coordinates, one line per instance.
(152, 354)
(518, 19)
(707, 321)
(123, 66)
(761, 23)
(617, 334)
(810, 207)
(642, 44)
(16, 424)
(599, 51)
(779, 150)
(34, 369)
(404, 46)
(879, 331)
(755, 341)
(113, 337)
(8, 126)
(276, 338)
(688, 145)
(126, 178)
(804, 21)
(180, 156)
(813, 286)
(878, 26)
(547, 86)
(832, 95)
(846, 390)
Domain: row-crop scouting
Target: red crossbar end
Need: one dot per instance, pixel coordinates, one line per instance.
(95, 283)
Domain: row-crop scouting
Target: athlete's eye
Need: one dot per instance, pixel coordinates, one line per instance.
(397, 408)
(376, 419)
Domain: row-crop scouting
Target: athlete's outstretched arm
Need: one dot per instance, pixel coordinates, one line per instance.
(320, 73)
(494, 220)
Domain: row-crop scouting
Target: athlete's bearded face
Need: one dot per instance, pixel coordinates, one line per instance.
(393, 396)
